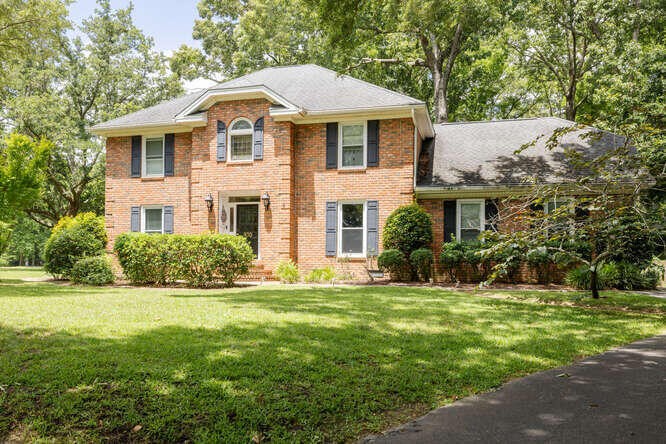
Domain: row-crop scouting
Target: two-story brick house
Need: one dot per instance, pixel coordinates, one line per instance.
(308, 164)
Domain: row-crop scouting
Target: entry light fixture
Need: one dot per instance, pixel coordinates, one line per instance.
(209, 202)
(266, 199)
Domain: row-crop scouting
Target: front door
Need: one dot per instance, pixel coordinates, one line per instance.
(247, 224)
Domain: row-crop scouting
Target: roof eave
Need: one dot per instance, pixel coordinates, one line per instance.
(176, 125)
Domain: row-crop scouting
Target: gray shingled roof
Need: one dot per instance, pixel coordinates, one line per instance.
(309, 87)
(483, 153)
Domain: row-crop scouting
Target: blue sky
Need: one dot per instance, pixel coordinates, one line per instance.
(169, 22)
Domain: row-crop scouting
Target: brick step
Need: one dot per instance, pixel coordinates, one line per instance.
(258, 273)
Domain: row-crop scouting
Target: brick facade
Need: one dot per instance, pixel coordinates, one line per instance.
(293, 171)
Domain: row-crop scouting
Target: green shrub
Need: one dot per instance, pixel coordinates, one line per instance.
(92, 270)
(422, 260)
(73, 238)
(579, 277)
(394, 262)
(451, 257)
(198, 259)
(287, 272)
(407, 229)
(540, 260)
(480, 264)
(321, 275)
(632, 277)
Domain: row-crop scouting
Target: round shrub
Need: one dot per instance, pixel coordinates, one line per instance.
(407, 229)
(451, 257)
(287, 272)
(93, 270)
(198, 259)
(422, 260)
(73, 238)
(393, 261)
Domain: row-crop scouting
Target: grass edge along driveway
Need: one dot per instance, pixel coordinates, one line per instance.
(270, 363)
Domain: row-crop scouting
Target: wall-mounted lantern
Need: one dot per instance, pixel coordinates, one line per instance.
(209, 202)
(266, 199)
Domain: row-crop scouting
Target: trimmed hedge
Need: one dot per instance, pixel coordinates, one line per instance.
(93, 270)
(422, 260)
(198, 259)
(393, 261)
(73, 238)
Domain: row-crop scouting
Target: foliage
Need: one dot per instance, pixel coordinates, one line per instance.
(422, 261)
(540, 260)
(92, 270)
(580, 277)
(325, 358)
(393, 261)
(451, 257)
(620, 275)
(408, 228)
(200, 260)
(26, 243)
(321, 275)
(73, 238)
(5, 233)
(23, 163)
(287, 272)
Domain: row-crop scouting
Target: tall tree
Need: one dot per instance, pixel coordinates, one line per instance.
(110, 68)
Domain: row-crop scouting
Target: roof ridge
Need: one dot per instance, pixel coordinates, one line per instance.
(517, 119)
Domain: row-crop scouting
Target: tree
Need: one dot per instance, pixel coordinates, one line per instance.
(26, 242)
(110, 69)
(601, 216)
(23, 164)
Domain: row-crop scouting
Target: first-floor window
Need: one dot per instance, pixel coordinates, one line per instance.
(352, 228)
(553, 204)
(471, 219)
(152, 220)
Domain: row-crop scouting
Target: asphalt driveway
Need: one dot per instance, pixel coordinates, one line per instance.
(618, 396)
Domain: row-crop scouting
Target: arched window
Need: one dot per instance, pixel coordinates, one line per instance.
(240, 140)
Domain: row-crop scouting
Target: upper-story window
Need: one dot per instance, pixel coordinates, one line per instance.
(240, 140)
(352, 147)
(153, 156)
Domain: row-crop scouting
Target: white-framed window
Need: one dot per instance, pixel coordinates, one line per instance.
(352, 228)
(352, 145)
(152, 219)
(557, 202)
(471, 214)
(241, 140)
(153, 156)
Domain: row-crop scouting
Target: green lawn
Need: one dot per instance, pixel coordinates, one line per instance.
(278, 363)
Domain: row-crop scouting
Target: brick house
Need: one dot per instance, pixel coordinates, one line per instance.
(308, 164)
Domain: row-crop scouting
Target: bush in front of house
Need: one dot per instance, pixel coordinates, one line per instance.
(422, 260)
(198, 259)
(579, 277)
(92, 270)
(451, 258)
(408, 228)
(394, 262)
(287, 272)
(72, 239)
(321, 275)
(540, 260)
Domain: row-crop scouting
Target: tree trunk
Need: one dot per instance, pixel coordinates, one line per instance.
(440, 84)
(594, 281)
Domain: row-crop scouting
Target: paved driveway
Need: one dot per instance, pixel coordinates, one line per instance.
(618, 396)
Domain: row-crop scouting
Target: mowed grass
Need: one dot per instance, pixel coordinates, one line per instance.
(280, 364)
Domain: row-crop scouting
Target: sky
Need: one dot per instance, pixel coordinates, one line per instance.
(168, 22)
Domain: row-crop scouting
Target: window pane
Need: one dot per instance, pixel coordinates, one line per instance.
(154, 166)
(352, 216)
(352, 135)
(241, 147)
(153, 220)
(470, 216)
(352, 241)
(469, 235)
(352, 156)
(154, 148)
(241, 125)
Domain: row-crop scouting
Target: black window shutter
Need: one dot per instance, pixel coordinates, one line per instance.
(136, 156)
(135, 219)
(169, 153)
(449, 220)
(373, 227)
(581, 213)
(331, 228)
(331, 145)
(536, 207)
(259, 139)
(221, 141)
(492, 211)
(373, 143)
(167, 217)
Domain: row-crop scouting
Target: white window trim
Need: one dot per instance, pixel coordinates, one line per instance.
(143, 216)
(365, 228)
(557, 200)
(482, 215)
(143, 154)
(365, 145)
(240, 133)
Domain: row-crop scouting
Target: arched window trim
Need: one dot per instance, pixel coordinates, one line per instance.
(240, 132)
